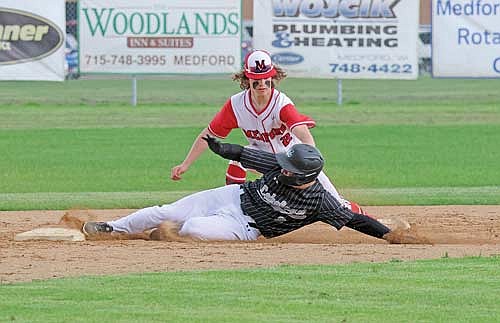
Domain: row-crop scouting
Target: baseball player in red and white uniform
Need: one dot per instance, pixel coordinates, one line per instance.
(267, 117)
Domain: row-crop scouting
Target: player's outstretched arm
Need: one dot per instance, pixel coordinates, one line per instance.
(198, 147)
(368, 225)
(227, 151)
(258, 160)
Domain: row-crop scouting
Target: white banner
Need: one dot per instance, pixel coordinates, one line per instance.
(340, 39)
(153, 36)
(32, 37)
(466, 38)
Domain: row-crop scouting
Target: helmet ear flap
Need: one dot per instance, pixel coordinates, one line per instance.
(296, 180)
(288, 180)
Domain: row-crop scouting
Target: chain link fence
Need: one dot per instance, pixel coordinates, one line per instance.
(71, 62)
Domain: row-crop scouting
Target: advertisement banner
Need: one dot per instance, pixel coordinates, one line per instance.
(342, 39)
(32, 36)
(466, 38)
(160, 37)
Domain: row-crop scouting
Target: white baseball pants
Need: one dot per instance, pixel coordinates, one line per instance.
(207, 215)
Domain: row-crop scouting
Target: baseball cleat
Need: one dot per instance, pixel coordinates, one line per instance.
(91, 228)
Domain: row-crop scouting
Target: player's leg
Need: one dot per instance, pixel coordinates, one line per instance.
(356, 208)
(218, 227)
(228, 222)
(236, 173)
(195, 205)
(328, 185)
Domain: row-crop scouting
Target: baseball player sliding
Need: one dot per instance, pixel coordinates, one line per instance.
(267, 117)
(287, 197)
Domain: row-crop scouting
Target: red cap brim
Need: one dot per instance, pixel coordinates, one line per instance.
(260, 76)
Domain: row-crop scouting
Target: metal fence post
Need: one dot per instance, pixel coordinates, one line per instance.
(339, 92)
(134, 90)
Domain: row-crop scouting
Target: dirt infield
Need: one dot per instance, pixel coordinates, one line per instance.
(453, 231)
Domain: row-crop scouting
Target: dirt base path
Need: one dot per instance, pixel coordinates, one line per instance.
(455, 231)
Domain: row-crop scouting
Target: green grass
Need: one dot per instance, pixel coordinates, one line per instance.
(197, 116)
(78, 144)
(451, 290)
(214, 91)
(415, 158)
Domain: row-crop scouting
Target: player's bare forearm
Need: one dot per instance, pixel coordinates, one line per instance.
(302, 132)
(198, 147)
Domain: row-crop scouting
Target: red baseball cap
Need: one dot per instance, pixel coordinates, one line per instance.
(258, 65)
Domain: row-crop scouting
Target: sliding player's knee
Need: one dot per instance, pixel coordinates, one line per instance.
(202, 228)
(199, 228)
(192, 228)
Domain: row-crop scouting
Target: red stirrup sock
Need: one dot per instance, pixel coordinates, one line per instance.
(356, 208)
(235, 175)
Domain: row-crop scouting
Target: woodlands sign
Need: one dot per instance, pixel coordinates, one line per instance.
(107, 21)
(160, 37)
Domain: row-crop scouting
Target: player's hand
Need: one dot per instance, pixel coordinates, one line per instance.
(228, 151)
(177, 171)
(214, 144)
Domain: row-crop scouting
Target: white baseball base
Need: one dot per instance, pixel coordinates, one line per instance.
(51, 234)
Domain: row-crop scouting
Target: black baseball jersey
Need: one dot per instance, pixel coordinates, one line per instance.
(277, 208)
